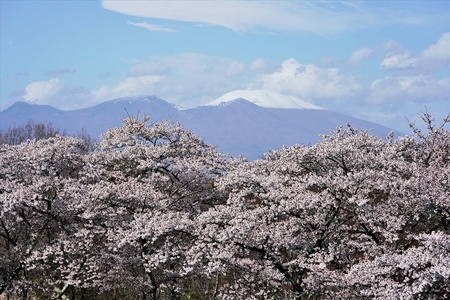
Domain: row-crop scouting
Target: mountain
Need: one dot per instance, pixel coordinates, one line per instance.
(241, 126)
(96, 119)
(241, 122)
(264, 99)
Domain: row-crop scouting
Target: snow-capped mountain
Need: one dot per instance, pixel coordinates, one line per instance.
(264, 99)
(241, 122)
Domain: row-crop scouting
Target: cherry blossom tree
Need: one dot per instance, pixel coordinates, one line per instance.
(116, 221)
(153, 212)
(140, 194)
(353, 216)
(156, 179)
(33, 211)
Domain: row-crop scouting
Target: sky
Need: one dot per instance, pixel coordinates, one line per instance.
(383, 61)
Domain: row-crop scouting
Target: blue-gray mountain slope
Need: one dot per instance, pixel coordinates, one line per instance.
(239, 127)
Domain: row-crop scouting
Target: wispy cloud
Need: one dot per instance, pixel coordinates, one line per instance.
(359, 55)
(107, 74)
(149, 68)
(292, 16)
(22, 74)
(55, 72)
(152, 27)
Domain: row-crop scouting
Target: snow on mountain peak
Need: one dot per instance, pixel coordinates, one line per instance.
(264, 99)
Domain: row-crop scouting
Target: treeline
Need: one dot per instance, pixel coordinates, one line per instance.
(153, 212)
(18, 134)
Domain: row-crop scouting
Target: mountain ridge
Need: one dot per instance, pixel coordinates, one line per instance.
(240, 127)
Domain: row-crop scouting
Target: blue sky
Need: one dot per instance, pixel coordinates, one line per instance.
(385, 61)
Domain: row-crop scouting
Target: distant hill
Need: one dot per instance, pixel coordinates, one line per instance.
(237, 126)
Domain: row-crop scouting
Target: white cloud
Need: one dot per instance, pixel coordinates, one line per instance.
(55, 92)
(137, 85)
(393, 95)
(149, 68)
(187, 79)
(310, 82)
(392, 47)
(439, 51)
(152, 27)
(235, 68)
(40, 92)
(196, 79)
(405, 89)
(435, 57)
(128, 87)
(192, 79)
(257, 64)
(292, 16)
(359, 55)
(399, 61)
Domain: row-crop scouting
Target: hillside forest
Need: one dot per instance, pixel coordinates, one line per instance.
(153, 212)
